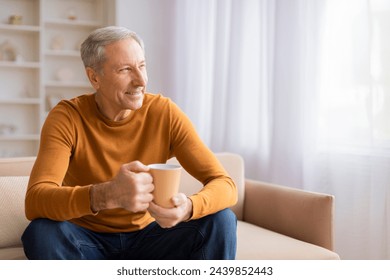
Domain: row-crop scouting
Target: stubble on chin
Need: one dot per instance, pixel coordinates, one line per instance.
(136, 102)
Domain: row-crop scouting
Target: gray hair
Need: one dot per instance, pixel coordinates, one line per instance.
(93, 48)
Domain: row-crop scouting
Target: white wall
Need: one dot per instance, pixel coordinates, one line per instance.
(152, 20)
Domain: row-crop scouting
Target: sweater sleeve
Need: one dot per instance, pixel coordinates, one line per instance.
(219, 191)
(46, 197)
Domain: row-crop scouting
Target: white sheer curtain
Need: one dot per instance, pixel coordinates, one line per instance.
(300, 89)
(351, 156)
(224, 52)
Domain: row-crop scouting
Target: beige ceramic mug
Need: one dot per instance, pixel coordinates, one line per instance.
(166, 180)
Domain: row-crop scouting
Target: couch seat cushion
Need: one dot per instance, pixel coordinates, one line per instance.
(12, 217)
(256, 243)
(12, 253)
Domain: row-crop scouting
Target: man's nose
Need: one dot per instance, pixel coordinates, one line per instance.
(139, 78)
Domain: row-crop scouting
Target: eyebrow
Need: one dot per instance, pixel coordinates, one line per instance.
(126, 64)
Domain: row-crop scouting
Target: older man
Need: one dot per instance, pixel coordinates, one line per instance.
(90, 192)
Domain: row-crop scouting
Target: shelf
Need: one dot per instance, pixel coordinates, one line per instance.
(40, 63)
(22, 28)
(19, 137)
(22, 101)
(72, 23)
(73, 84)
(21, 64)
(65, 53)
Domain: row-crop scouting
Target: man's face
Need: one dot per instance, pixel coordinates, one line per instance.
(122, 81)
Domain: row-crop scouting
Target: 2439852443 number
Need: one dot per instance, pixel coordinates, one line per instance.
(241, 270)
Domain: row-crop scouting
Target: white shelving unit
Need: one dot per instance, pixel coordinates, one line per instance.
(40, 63)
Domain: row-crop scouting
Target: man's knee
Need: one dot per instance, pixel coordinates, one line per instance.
(42, 237)
(41, 229)
(227, 216)
(221, 225)
(225, 220)
(220, 235)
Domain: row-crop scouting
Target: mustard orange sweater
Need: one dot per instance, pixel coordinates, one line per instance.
(80, 147)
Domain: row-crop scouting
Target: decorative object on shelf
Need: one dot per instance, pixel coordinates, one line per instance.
(72, 13)
(7, 129)
(8, 51)
(15, 19)
(57, 43)
(65, 74)
(19, 58)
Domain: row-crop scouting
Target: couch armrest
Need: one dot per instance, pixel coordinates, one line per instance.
(300, 214)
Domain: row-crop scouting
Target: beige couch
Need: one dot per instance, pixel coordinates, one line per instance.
(275, 222)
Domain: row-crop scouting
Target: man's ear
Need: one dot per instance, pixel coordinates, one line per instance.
(93, 77)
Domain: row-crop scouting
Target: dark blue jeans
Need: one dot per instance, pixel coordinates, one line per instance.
(211, 237)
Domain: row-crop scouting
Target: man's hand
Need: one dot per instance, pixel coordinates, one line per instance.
(130, 189)
(169, 217)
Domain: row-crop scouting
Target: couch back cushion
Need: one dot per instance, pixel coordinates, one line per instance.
(17, 166)
(12, 217)
(233, 164)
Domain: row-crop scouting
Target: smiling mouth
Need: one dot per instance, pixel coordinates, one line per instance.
(133, 93)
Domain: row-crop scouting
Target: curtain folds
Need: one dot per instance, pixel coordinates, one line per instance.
(300, 89)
